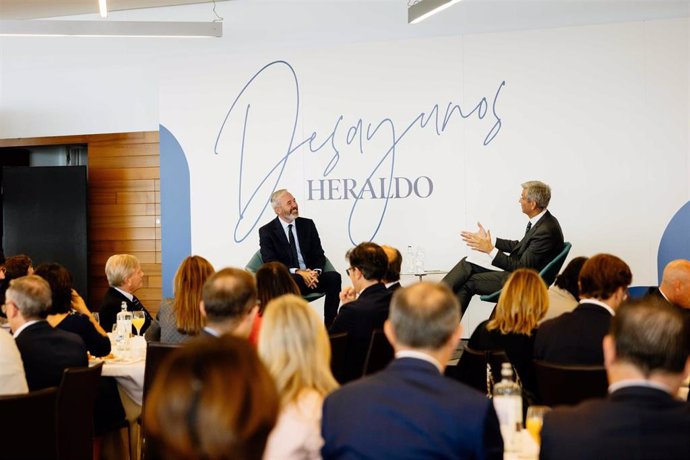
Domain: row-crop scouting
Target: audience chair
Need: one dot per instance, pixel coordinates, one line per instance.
(256, 262)
(548, 273)
(75, 402)
(478, 369)
(28, 429)
(380, 353)
(569, 385)
(338, 356)
(156, 353)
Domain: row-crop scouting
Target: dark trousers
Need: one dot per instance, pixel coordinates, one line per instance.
(467, 279)
(330, 283)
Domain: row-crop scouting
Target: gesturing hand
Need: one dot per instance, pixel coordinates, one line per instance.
(479, 240)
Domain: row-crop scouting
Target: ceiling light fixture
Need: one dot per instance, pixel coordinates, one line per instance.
(57, 28)
(422, 9)
(103, 8)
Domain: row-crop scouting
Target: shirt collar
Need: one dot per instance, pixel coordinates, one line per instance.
(212, 331)
(638, 383)
(600, 303)
(125, 293)
(536, 218)
(24, 326)
(419, 355)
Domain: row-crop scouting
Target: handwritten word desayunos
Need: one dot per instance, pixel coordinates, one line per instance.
(357, 134)
(344, 189)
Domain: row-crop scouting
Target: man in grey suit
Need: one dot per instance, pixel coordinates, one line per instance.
(542, 242)
(646, 358)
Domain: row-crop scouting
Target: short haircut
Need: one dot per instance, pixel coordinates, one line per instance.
(212, 399)
(424, 315)
(31, 294)
(60, 281)
(370, 259)
(187, 285)
(652, 335)
(538, 192)
(119, 267)
(273, 279)
(394, 264)
(523, 302)
(275, 197)
(228, 295)
(17, 266)
(294, 346)
(602, 275)
(568, 278)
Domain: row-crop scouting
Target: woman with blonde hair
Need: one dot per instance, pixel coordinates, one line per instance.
(294, 346)
(179, 318)
(523, 302)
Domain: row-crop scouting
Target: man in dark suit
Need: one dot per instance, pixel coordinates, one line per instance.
(575, 337)
(646, 356)
(675, 286)
(392, 277)
(294, 242)
(365, 304)
(228, 302)
(125, 276)
(46, 351)
(542, 242)
(410, 410)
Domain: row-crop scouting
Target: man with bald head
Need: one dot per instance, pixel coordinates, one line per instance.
(228, 302)
(675, 286)
(392, 277)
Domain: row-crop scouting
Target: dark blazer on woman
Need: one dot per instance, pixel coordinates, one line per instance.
(96, 344)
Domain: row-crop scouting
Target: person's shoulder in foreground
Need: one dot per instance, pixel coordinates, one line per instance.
(410, 410)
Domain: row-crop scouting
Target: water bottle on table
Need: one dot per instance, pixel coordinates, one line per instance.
(507, 399)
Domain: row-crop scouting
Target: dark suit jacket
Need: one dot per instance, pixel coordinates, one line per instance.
(655, 293)
(359, 319)
(394, 287)
(536, 249)
(275, 246)
(574, 337)
(111, 306)
(47, 352)
(409, 411)
(632, 423)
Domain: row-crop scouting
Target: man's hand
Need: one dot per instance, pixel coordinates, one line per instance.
(311, 277)
(347, 295)
(479, 240)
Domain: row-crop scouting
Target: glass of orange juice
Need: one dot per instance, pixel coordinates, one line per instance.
(534, 421)
(138, 320)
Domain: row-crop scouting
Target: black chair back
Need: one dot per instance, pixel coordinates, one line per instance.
(339, 356)
(75, 401)
(28, 428)
(561, 384)
(380, 353)
(472, 368)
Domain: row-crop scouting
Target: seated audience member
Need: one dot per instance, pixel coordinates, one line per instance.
(179, 318)
(213, 400)
(646, 356)
(272, 280)
(564, 295)
(15, 267)
(69, 312)
(523, 301)
(46, 351)
(12, 379)
(410, 410)
(365, 304)
(125, 276)
(294, 346)
(228, 302)
(675, 286)
(575, 337)
(392, 277)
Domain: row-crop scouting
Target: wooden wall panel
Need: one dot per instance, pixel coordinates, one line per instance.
(124, 205)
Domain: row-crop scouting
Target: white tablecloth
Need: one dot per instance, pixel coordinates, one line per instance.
(128, 369)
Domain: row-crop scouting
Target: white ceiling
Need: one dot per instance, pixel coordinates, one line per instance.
(34, 9)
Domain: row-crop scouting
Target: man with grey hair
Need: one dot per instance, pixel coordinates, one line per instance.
(646, 359)
(228, 302)
(543, 240)
(410, 410)
(46, 351)
(125, 276)
(294, 241)
(675, 286)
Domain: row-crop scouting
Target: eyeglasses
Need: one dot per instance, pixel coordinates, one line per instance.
(349, 270)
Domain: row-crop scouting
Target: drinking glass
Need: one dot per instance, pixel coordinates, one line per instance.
(138, 320)
(535, 420)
